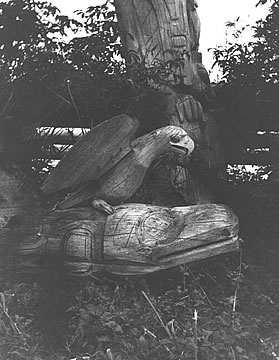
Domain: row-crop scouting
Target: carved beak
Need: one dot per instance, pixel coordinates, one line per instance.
(182, 143)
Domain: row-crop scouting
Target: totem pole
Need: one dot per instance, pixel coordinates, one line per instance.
(167, 32)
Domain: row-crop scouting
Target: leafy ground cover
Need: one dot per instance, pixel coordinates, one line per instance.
(215, 310)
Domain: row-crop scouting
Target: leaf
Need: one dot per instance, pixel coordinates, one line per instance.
(3, 328)
(206, 333)
(165, 341)
(114, 326)
(239, 349)
(218, 346)
(142, 339)
(103, 339)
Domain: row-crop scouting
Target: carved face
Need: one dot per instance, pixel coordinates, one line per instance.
(168, 138)
(180, 141)
(154, 238)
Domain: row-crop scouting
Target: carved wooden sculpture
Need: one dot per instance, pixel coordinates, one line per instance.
(136, 239)
(109, 155)
(167, 32)
(109, 163)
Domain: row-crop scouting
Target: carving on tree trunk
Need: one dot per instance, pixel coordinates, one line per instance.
(164, 31)
(167, 32)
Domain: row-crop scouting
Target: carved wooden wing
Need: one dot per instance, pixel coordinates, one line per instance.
(93, 155)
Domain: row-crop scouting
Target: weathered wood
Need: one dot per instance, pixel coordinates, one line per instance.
(190, 187)
(61, 135)
(136, 239)
(124, 179)
(162, 31)
(161, 231)
(191, 256)
(212, 150)
(62, 139)
(12, 190)
(194, 111)
(167, 32)
(243, 158)
(94, 154)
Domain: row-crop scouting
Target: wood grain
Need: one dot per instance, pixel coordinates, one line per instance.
(93, 155)
(136, 239)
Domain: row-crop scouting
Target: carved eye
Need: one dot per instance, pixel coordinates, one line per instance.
(175, 138)
(155, 133)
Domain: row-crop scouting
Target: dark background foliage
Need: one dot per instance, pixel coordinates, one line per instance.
(49, 80)
(60, 72)
(248, 118)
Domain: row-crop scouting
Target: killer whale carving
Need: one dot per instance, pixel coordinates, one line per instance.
(136, 239)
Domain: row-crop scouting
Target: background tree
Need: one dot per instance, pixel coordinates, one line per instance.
(250, 92)
(248, 117)
(48, 80)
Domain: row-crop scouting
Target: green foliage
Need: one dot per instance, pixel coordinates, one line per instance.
(248, 97)
(100, 49)
(34, 40)
(267, 45)
(109, 318)
(61, 72)
(254, 63)
(47, 79)
(28, 33)
(250, 90)
(38, 62)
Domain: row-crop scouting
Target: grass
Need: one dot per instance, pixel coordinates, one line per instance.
(211, 311)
